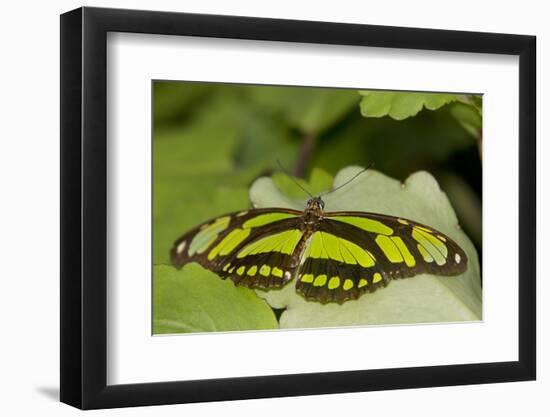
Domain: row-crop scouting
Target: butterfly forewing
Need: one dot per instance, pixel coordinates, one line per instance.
(414, 247)
(253, 248)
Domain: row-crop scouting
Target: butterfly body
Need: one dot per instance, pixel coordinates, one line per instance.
(333, 256)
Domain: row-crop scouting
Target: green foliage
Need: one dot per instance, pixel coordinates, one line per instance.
(212, 141)
(473, 100)
(195, 300)
(401, 105)
(465, 202)
(397, 148)
(203, 168)
(469, 117)
(189, 189)
(311, 110)
(424, 298)
(319, 181)
(173, 101)
(263, 139)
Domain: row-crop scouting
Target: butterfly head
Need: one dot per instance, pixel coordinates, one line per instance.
(315, 204)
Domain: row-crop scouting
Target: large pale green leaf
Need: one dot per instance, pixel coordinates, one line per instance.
(400, 105)
(196, 300)
(421, 299)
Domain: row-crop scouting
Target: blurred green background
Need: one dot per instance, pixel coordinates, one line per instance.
(211, 141)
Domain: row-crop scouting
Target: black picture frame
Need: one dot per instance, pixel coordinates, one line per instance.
(84, 207)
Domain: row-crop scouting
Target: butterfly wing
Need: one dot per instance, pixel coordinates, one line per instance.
(253, 248)
(355, 252)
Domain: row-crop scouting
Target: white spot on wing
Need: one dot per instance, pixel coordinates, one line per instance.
(181, 247)
(287, 275)
(457, 258)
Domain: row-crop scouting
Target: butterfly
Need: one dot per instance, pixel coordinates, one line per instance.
(332, 256)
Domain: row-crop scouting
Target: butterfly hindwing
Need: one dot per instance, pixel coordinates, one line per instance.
(336, 268)
(328, 281)
(253, 248)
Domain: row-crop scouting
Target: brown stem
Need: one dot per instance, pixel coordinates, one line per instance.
(308, 144)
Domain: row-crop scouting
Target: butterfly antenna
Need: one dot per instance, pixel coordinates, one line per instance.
(293, 179)
(350, 180)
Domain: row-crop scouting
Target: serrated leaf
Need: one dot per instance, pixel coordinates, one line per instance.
(401, 105)
(196, 300)
(420, 299)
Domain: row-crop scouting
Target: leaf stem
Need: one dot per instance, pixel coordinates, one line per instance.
(306, 149)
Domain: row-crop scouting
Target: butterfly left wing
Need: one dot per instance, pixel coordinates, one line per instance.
(355, 252)
(253, 248)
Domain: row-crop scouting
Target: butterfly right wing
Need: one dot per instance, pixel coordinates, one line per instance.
(355, 252)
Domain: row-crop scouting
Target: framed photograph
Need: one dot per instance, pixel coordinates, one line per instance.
(258, 208)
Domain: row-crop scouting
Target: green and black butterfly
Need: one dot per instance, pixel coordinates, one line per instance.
(334, 256)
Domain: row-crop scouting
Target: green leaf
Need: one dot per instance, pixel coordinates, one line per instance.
(467, 204)
(196, 300)
(420, 299)
(319, 181)
(263, 140)
(310, 110)
(473, 100)
(468, 117)
(189, 189)
(396, 147)
(173, 101)
(200, 171)
(398, 105)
